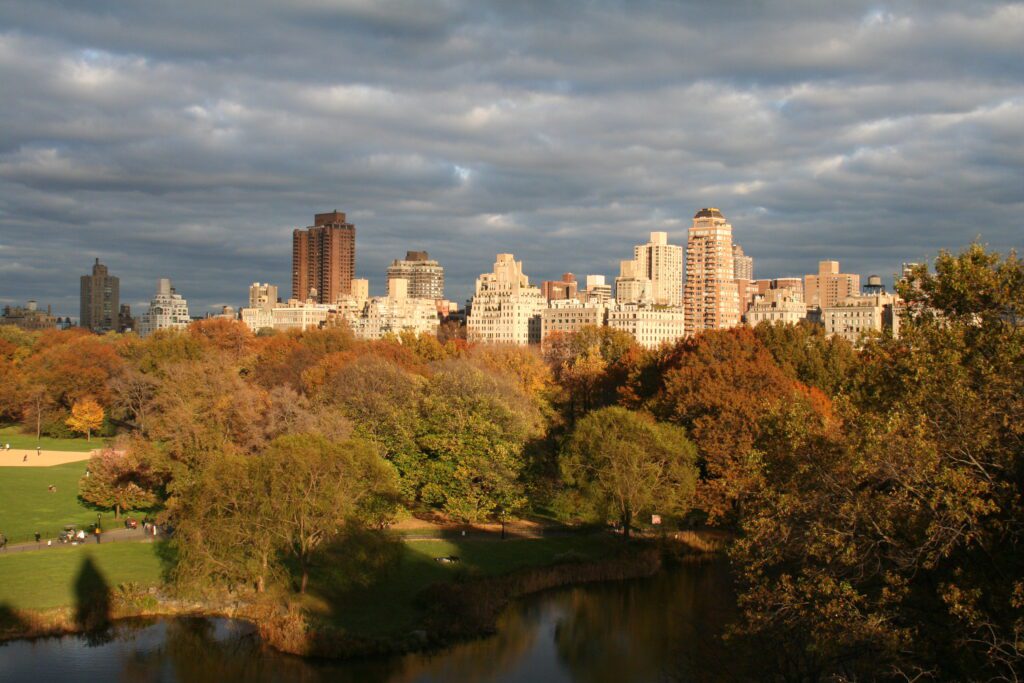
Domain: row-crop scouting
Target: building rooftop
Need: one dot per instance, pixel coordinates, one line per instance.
(709, 212)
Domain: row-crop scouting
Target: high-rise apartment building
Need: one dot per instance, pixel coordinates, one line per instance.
(424, 275)
(30, 317)
(167, 310)
(742, 265)
(711, 298)
(631, 287)
(100, 300)
(829, 287)
(598, 291)
(776, 306)
(505, 308)
(324, 259)
(662, 264)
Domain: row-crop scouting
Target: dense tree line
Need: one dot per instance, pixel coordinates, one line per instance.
(875, 494)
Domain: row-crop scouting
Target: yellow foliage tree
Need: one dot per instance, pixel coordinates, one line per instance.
(86, 416)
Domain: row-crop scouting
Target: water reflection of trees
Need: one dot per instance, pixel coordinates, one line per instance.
(667, 628)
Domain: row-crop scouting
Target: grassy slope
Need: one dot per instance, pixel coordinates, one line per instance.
(387, 606)
(45, 579)
(18, 441)
(26, 506)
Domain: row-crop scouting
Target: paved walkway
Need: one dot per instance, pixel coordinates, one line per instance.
(113, 536)
(16, 457)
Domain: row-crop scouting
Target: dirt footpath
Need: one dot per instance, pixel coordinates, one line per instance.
(16, 457)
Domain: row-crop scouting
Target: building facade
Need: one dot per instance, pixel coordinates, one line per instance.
(100, 300)
(631, 286)
(711, 294)
(859, 315)
(560, 290)
(651, 326)
(505, 309)
(394, 314)
(293, 315)
(742, 265)
(829, 287)
(424, 275)
(29, 317)
(324, 259)
(262, 295)
(598, 292)
(776, 306)
(662, 264)
(569, 317)
(167, 310)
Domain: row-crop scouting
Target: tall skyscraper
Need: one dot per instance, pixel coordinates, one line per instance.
(829, 287)
(742, 265)
(100, 300)
(424, 275)
(324, 259)
(662, 264)
(712, 298)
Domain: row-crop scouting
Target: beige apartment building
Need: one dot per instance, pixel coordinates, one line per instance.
(711, 295)
(262, 295)
(662, 264)
(742, 265)
(505, 308)
(167, 310)
(598, 292)
(100, 301)
(829, 287)
(324, 259)
(776, 306)
(29, 317)
(293, 315)
(859, 315)
(424, 275)
(395, 313)
(651, 326)
(631, 286)
(569, 317)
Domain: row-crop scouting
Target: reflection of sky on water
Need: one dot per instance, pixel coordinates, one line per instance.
(653, 630)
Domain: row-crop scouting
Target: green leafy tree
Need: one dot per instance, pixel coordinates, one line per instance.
(121, 479)
(628, 464)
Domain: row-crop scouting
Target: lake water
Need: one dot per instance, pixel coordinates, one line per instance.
(665, 628)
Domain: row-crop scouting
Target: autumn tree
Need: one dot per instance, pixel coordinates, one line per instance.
(122, 478)
(627, 464)
(86, 416)
(892, 547)
(472, 429)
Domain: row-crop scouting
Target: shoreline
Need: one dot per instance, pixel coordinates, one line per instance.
(452, 611)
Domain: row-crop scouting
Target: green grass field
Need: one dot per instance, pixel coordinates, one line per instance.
(387, 605)
(26, 506)
(45, 579)
(19, 441)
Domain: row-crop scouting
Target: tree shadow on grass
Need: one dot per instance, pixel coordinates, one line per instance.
(92, 602)
(12, 623)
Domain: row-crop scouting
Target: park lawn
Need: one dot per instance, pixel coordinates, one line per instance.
(388, 605)
(26, 506)
(45, 579)
(19, 441)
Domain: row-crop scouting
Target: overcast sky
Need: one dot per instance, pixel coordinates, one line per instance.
(186, 139)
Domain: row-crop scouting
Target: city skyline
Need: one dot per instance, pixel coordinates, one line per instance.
(869, 135)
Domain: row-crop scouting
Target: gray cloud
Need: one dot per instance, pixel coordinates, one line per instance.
(187, 139)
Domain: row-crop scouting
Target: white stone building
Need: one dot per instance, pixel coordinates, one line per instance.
(395, 313)
(631, 287)
(505, 308)
(294, 315)
(651, 326)
(167, 310)
(776, 306)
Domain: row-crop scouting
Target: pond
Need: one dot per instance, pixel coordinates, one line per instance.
(664, 628)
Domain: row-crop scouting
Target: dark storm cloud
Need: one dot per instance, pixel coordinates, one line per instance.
(187, 139)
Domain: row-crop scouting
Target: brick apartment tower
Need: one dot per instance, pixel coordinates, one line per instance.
(100, 300)
(711, 298)
(324, 259)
